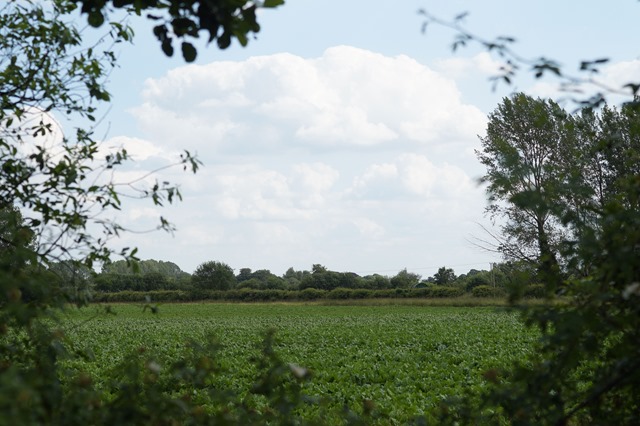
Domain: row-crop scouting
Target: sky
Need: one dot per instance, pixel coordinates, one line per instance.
(342, 134)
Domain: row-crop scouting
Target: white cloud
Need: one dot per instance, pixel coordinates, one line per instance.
(316, 176)
(137, 149)
(347, 97)
(412, 175)
(369, 228)
(459, 67)
(618, 74)
(352, 159)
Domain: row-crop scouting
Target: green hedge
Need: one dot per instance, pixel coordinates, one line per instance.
(254, 295)
(487, 291)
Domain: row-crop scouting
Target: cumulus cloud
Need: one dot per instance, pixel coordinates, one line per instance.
(460, 67)
(353, 159)
(412, 175)
(137, 149)
(347, 97)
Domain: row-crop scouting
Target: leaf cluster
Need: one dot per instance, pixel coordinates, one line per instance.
(513, 63)
(221, 20)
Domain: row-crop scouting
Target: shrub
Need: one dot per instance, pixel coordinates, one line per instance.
(340, 293)
(311, 294)
(534, 291)
(445, 291)
(476, 281)
(487, 291)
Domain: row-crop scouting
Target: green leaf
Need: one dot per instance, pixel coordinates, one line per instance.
(189, 52)
(96, 18)
(272, 3)
(167, 48)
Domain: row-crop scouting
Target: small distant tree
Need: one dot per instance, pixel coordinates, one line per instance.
(293, 278)
(213, 275)
(477, 280)
(73, 277)
(376, 282)
(154, 281)
(404, 279)
(317, 268)
(321, 278)
(244, 275)
(350, 280)
(444, 276)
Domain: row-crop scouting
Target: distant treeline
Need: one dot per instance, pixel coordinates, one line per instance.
(165, 281)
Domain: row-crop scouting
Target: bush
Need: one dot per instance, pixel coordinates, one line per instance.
(534, 291)
(487, 291)
(311, 294)
(444, 291)
(476, 281)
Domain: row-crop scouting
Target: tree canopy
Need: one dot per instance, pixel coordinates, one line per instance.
(213, 275)
(567, 193)
(221, 20)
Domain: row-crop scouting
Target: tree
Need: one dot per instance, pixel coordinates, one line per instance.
(585, 369)
(213, 275)
(512, 63)
(444, 276)
(376, 282)
(73, 277)
(61, 179)
(167, 269)
(523, 154)
(293, 278)
(404, 279)
(321, 278)
(477, 280)
(56, 186)
(223, 20)
(244, 275)
(317, 268)
(16, 240)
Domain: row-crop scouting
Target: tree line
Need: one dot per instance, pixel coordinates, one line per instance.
(153, 275)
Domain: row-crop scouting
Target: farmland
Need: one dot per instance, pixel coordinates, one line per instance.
(405, 359)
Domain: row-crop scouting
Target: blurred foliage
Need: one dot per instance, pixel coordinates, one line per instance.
(222, 20)
(584, 369)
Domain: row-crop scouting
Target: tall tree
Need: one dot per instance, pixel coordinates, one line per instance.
(444, 276)
(405, 279)
(524, 154)
(55, 184)
(213, 275)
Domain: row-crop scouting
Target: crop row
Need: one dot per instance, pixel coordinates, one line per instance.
(405, 359)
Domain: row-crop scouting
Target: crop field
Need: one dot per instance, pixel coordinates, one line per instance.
(405, 359)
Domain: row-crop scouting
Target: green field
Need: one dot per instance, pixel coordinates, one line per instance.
(405, 359)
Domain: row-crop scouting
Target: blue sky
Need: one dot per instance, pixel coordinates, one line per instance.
(341, 135)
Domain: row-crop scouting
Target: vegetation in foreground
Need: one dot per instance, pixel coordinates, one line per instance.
(402, 362)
